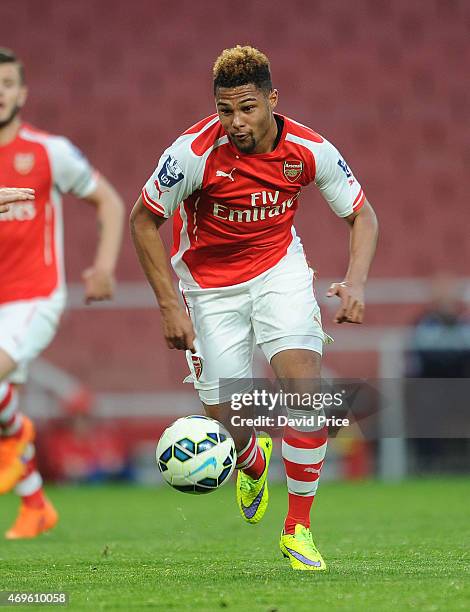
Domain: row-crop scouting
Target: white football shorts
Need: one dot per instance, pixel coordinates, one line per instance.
(277, 310)
(26, 328)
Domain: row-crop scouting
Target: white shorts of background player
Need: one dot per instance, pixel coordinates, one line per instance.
(26, 329)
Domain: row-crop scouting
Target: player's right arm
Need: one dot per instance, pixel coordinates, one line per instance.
(145, 225)
(178, 175)
(10, 195)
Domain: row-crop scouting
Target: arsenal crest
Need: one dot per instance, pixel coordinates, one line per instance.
(24, 162)
(197, 364)
(293, 169)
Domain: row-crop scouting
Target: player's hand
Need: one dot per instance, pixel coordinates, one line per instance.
(99, 285)
(178, 330)
(352, 302)
(10, 195)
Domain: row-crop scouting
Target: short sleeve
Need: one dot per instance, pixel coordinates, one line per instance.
(177, 175)
(71, 171)
(335, 180)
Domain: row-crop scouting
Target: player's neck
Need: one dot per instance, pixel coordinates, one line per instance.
(9, 132)
(267, 144)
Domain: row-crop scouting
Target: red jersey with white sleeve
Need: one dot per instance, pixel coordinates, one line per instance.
(234, 212)
(31, 233)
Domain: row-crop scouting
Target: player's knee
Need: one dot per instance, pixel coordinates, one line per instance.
(295, 364)
(211, 410)
(219, 412)
(7, 365)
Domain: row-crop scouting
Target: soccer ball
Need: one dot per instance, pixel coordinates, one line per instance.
(196, 455)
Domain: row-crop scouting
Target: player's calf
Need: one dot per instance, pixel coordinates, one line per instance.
(17, 432)
(303, 453)
(11, 419)
(250, 456)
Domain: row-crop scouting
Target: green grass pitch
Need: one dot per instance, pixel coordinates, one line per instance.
(388, 546)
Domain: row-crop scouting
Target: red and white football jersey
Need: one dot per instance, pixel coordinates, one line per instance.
(31, 234)
(234, 212)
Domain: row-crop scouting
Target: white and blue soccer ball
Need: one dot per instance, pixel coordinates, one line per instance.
(196, 455)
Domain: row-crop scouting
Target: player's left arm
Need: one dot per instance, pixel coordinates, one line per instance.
(73, 174)
(346, 198)
(363, 241)
(99, 277)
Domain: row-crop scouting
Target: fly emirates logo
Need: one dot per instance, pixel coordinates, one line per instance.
(264, 205)
(22, 211)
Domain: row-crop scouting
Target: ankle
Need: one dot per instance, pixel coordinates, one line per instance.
(290, 524)
(35, 501)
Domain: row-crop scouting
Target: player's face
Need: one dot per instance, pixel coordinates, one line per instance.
(12, 93)
(246, 114)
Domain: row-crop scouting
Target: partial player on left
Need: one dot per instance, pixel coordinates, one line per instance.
(41, 167)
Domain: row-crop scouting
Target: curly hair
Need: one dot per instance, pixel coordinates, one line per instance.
(7, 56)
(240, 66)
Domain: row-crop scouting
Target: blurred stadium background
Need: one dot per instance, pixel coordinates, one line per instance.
(386, 81)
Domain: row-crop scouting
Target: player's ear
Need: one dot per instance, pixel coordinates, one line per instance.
(23, 96)
(273, 98)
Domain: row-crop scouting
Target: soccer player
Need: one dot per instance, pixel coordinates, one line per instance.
(232, 183)
(32, 286)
